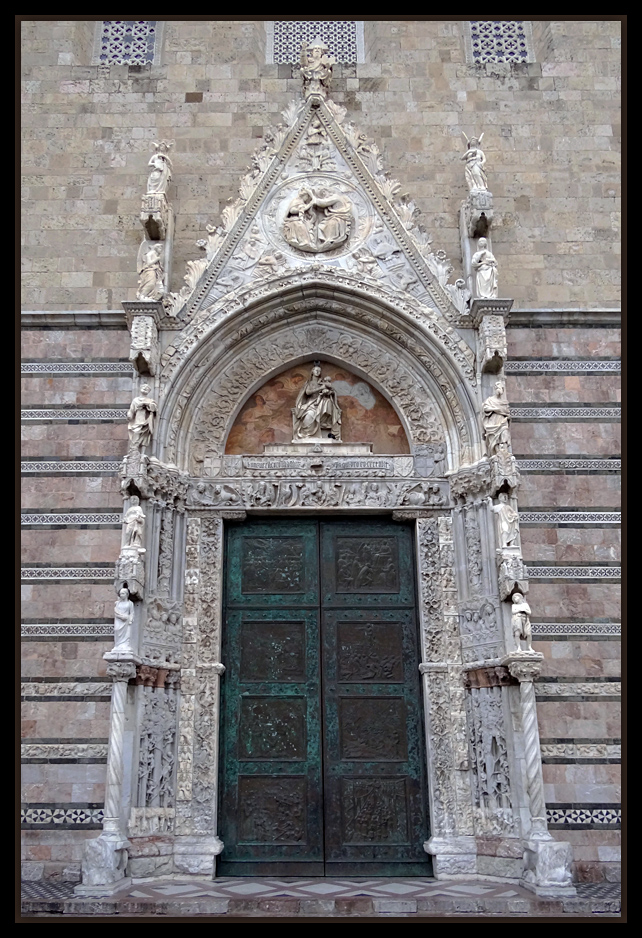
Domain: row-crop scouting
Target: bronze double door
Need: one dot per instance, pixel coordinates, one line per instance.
(322, 746)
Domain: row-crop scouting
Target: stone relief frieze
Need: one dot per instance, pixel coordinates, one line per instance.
(473, 549)
(210, 560)
(480, 638)
(156, 759)
(311, 493)
(493, 813)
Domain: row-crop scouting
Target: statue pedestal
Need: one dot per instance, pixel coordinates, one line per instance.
(327, 447)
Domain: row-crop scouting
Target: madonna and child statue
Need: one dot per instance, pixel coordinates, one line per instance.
(316, 416)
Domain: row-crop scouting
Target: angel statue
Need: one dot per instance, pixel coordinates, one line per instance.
(475, 162)
(316, 68)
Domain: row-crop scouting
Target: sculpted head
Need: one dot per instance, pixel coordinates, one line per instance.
(482, 244)
(503, 497)
(123, 593)
(518, 598)
(499, 388)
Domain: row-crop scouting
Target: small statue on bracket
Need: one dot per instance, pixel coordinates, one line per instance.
(521, 622)
(316, 68)
(475, 162)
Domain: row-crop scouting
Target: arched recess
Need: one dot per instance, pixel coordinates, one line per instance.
(425, 371)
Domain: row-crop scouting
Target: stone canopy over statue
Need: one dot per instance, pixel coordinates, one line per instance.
(317, 220)
(316, 414)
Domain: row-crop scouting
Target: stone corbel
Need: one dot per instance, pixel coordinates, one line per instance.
(477, 213)
(155, 216)
(130, 572)
(493, 676)
(489, 317)
(504, 472)
(143, 321)
(512, 573)
(471, 483)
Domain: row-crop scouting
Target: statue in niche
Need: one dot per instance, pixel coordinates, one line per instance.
(496, 420)
(316, 414)
(475, 162)
(485, 266)
(161, 173)
(316, 68)
(521, 623)
(134, 526)
(508, 520)
(150, 274)
(317, 220)
(123, 621)
(141, 417)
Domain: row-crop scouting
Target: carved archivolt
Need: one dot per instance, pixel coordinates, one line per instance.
(207, 378)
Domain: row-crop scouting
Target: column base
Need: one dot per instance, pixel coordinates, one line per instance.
(453, 857)
(103, 864)
(100, 891)
(547, 868)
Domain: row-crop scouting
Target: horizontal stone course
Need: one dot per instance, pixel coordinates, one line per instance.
(87, 391)
(569, 545)
(565, 438)
(56, 718)
(563, 389)
(579, 600)
(558, 490)
(70, 546)
(74, 441)
(63, 782)
(582, 719)
(80, 344)
(563, 343)
(67, 600)
(575, 658)
(63, 492)
(64, 659)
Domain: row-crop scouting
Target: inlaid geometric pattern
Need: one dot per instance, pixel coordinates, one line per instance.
(569, 517)
(563, 366)
(37, 629)
(584, 816)
(126, 42)
(72, 816)
(67, 573)
(71, 519)
(563, 464)
(565, 413)
(574, 573)
(343, 37)
(68, 413)
(329, 888)
(576, 628)
(76, 368)
(498, 41)
(75, 466)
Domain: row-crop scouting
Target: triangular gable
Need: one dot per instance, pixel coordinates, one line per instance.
(317, 193)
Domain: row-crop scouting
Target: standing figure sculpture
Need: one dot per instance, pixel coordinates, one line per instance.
(150, 274)
(508, 520)
(316, 68)
(475, 162)
(496, 421)
(134, 526)
(485, 266)
(316, 414)
(141, 417)
(123, 621)
(161, 173)
(521, 623)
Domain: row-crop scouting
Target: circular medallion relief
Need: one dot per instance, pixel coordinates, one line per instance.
(317, 213)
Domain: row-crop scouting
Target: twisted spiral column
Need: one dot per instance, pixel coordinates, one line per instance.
(534, 780)
(121, 672)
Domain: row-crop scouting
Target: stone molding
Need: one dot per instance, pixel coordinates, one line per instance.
(70, 520)
(578, 366)
(76, 368)
(73, 414)
(70, 466)
(558, 412)
(570, 517)
(67, 573)
(75, 319)
(573, 573)
(81, 630)
(66, 689)
(566, 464)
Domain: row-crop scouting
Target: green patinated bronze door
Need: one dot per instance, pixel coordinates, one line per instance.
(322, 753)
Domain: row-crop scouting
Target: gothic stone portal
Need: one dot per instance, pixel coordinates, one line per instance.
(322, 751)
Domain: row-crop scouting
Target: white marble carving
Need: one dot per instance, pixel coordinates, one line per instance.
(485, 266)
(507, 521)
(151, 285)
(521, 623)
(161, 169)
(141, 418)
(317, 220)
(475, 160)
(123, 624)
(134, 524)
(316, 68)
(316, 414)
(496, 420)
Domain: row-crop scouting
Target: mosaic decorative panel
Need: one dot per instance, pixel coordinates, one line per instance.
(68, 413)
(284, 39)
(566, 413)
(67, 630)
(127, 42)
(75, 466)
(51, 817)
(562, 366)
(583, 816)
(77, 368)
(71, 519)
(579, 629)
(498, 41)
(565, 465)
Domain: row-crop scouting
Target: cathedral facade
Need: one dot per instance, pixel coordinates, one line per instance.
(321, 464)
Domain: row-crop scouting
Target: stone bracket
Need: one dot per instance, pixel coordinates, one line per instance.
(477, 213)
(154, 215)
(130, 572)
